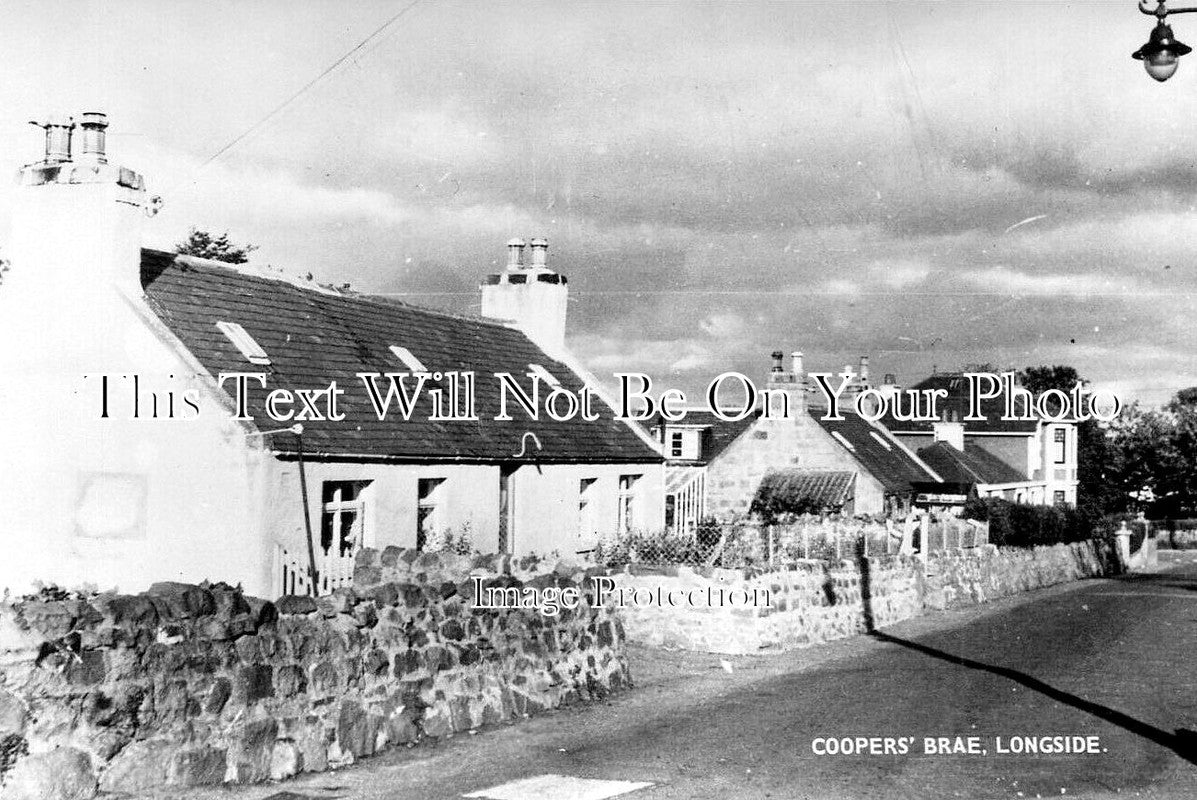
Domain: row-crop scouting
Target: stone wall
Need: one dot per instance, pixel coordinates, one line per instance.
(819, 601)
(185, 685)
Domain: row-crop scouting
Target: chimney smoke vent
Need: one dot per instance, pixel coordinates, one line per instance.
(58, 138)
(515, 253)
(92, 146)
(540, 253)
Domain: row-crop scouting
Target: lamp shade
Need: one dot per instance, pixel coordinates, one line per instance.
(1160, 54)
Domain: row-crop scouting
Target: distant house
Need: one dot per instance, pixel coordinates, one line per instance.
(717, 468)
(131, 462)
(1024, 461)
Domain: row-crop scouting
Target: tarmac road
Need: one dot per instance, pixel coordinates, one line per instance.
(1111, 659)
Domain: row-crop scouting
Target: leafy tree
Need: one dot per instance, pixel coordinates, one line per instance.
(218, 248)
(1156, 456)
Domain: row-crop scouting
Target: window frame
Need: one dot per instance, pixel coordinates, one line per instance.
(1060, 441)
(432, 501)
(628, 496)
(337, 507)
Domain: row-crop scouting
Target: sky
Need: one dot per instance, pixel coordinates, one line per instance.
(931, 184)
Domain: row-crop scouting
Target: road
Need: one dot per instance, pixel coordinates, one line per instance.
(1112, 659)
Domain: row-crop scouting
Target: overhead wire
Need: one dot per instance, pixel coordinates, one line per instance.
(278, 109)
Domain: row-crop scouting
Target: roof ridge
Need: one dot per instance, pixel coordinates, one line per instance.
(316, 288)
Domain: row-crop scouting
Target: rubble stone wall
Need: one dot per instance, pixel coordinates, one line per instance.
(818, 601)
(185, 685)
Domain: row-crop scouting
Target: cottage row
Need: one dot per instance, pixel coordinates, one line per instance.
(129, 461)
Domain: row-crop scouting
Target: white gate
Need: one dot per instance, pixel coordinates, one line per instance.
(333, 571)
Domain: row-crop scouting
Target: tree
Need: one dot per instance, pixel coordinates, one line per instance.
(218, 248)
(1156, 456)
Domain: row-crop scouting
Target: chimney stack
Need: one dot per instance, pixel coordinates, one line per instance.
(515, 253)
(950, 432)
(785, 392)
(91, 149)
(75, 242)
(533, 297)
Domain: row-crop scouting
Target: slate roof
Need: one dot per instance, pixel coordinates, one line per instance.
(800, 490)
(876, 452)
(972, 465)
(313, 337)
(954, 407)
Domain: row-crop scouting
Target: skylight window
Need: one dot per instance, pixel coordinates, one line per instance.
(881, 440)
(409, 361)
(839, 437)
(241, 339)
(543, 374)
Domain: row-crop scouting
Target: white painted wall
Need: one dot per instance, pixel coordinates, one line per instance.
(546, 513)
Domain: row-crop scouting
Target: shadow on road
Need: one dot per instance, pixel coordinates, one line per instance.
(1162, 579)
(1183, 742)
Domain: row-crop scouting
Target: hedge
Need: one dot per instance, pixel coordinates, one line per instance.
(1019, 525)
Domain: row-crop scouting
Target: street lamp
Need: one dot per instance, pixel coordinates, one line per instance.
(1161, 53)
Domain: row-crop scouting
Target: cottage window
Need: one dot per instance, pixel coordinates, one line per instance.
(1058, 498)
(587, 526)
(677, 441)
(429, 509)
(342, 520)
(1060, 440)
(628, 502)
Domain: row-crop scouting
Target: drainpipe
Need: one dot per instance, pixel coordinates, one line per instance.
(307, 512)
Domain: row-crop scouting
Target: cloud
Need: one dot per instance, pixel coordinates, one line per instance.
(1004, 280)
(606, 356)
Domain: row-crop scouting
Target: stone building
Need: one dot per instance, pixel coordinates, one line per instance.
(153, 401)
(715, 468)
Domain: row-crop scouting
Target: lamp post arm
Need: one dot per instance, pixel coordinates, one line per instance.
(1161, 10)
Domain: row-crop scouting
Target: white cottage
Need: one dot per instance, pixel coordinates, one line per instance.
(129, 461)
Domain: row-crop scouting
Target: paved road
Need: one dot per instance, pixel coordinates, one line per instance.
(1112, 659)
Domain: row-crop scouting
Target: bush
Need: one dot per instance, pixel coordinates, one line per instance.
(1019, 525)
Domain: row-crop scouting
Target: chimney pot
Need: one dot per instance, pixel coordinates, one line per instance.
(796, 364)
(515, 253)
(777, 357)
(540, 252)
(864, 369)
(58, 138)
(890, 379)
(92, 146)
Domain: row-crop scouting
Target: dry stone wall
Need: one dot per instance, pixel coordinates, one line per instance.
(810, 602)
(185, 685)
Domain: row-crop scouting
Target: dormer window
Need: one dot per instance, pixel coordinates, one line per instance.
(544, 375)
(245, 343)
(409, 360)
(683, 443)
